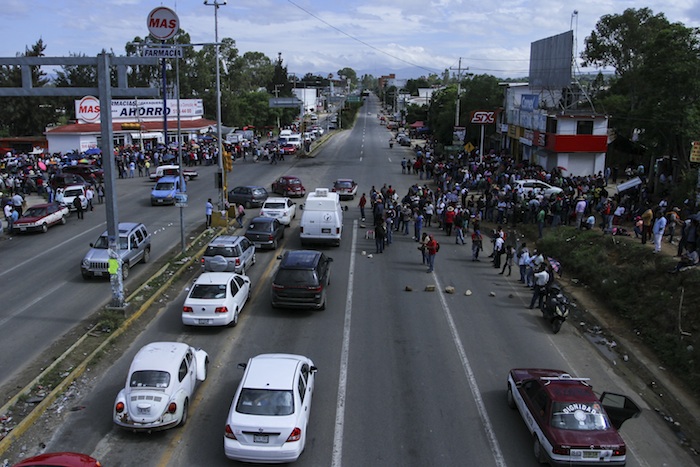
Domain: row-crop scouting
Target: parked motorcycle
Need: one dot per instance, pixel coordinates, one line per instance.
(555, 307)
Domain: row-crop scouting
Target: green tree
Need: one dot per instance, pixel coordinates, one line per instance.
(26, 116)
(657, 72)
(348, 73)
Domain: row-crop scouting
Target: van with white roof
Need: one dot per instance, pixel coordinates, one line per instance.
(322, 218)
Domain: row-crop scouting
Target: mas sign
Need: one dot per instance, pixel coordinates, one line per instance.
(163, 23)
(87, 109)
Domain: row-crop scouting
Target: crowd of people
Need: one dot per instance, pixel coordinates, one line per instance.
(458, 194)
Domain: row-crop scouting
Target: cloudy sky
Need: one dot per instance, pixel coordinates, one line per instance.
(409, 37)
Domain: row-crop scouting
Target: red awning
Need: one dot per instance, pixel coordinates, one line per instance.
(418, 124)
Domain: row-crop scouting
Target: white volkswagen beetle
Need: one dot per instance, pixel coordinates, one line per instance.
(160, 385)
(270, 411)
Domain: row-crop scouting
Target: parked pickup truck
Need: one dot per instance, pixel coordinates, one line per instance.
(165, 170)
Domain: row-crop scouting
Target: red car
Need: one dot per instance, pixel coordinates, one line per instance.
(569, 424)
(345, 187)
(40, 217)
(288, 149)
(289, 186)
(60, 459)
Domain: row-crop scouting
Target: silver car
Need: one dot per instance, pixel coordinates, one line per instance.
(134, 246)
(229, 253)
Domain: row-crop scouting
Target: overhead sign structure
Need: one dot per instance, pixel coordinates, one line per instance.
(285, 102)
(162, 52)
(163, 23)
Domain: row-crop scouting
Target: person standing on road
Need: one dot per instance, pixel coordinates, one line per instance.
(498, 250)
(100, 193)
(423, 246)
(477, 244)
(523, 260)
(658, 230)
(240, 215)
(89, 195)
(379, 236)
(449, 220)
(429, 210)
(417, 224)
(362, 204)
(510, 252)
(208, 210)
(432, 247)
(7, 210)
(18, 203)
(541, 281)
(78, 205)
(390, 216)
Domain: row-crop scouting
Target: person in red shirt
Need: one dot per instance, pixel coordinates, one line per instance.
(432, 247)
(362, 204)
(449, 220)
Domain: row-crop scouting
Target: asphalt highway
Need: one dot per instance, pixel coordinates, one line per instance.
(406, 378)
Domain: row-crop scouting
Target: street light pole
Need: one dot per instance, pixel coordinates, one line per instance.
(216, 4)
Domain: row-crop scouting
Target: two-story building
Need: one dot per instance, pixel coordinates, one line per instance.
(541, 127)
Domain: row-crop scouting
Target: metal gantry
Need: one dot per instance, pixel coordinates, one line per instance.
(103, 62)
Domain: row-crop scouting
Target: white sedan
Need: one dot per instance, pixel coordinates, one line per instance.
(159, 387)
(67, 195)
(216, 299)
(269, 414)
(283, 209)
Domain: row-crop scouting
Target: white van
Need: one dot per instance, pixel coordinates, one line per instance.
(294, 139)
(322, 218)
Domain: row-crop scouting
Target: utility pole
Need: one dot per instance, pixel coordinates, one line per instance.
(222, 198)
(459, 89)
(103, 88)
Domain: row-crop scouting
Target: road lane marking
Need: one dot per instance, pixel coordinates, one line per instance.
(337, 458)
(45, 252)
(480, 406)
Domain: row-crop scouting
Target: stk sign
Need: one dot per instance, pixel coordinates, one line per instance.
(483, 117)
(163, 23)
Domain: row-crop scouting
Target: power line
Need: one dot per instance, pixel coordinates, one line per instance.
(360, 40)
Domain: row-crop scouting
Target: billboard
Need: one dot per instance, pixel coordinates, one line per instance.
(550, 61)
(87, 109)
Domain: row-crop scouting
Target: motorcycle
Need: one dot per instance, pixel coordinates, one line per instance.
(555, 307)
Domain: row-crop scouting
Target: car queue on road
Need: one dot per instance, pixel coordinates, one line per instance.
(275, 389)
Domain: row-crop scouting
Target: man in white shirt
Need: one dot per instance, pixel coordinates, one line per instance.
(658, 229)
(541, 280)
(580, 208)
(7, 210)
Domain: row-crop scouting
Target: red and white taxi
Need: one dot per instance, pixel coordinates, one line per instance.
(345, 187)
(40, 217)
(569, 424)
(160, 386)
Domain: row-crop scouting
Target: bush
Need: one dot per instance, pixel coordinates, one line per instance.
(635, 284)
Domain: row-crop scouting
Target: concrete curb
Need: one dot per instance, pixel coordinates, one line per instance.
(39, 410)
